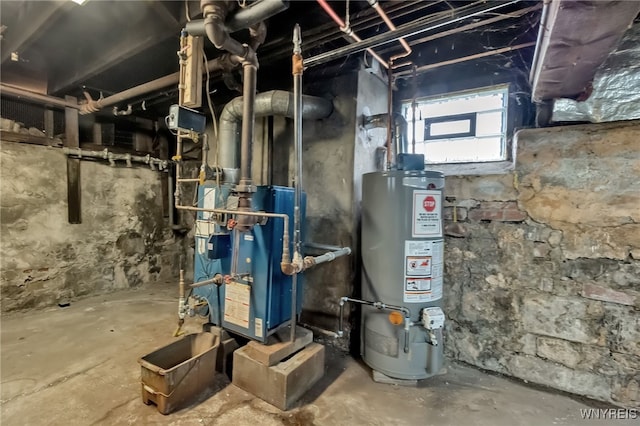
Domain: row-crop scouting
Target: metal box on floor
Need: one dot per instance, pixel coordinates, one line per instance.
(175, 375)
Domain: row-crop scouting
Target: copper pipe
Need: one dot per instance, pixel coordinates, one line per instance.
(410, 29)
(348, 31)
(404, 74)
(483, 23)
(392, 27)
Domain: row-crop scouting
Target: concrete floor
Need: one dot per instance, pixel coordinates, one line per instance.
(78, 366)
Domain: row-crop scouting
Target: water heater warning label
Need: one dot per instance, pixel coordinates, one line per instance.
(426, 214)
(423, 270)
(418, 265)
(236, 304)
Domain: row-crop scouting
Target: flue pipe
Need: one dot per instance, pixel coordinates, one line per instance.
(274, 102)
(347, 30)
(389, 112)
(392, 27)
(245, 187)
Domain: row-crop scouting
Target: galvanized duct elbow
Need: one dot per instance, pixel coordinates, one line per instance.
(274, 102)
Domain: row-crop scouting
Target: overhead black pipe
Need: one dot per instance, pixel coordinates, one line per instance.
(214, 13)
(244, 18)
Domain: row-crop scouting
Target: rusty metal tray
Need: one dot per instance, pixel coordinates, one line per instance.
(174, 375)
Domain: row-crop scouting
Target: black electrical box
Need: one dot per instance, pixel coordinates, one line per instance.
(181, 118)
(410, 162)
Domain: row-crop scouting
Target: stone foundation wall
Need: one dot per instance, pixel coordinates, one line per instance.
(122, 242)
(542, 281)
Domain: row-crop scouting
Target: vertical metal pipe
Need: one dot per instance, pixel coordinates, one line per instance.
(270, 149)
(178, 159)
(413, 111)
(389, 112)
(172, 207)
(248, 120)
(341, 320)
(245, 187)
(541, 31)
(297, 69)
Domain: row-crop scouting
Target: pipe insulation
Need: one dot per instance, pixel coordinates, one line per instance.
(274, 102)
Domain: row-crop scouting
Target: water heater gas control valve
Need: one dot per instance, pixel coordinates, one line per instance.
(432, 318)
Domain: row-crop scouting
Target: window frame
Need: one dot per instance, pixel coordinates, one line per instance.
(505, 162)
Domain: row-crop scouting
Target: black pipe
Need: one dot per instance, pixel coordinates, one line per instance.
(257, 12)
(215, 13)
(217, 34)
(244, 18)
(248, 121)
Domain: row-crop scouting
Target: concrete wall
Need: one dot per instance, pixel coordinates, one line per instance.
(122, 241)
(545, 284)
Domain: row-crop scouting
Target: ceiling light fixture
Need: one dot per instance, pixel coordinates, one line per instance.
(80, 2)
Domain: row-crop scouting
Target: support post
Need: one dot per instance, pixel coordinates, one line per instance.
(72, 140)
(48, 123)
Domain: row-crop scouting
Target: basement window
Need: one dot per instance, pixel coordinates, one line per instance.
(461, 127)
